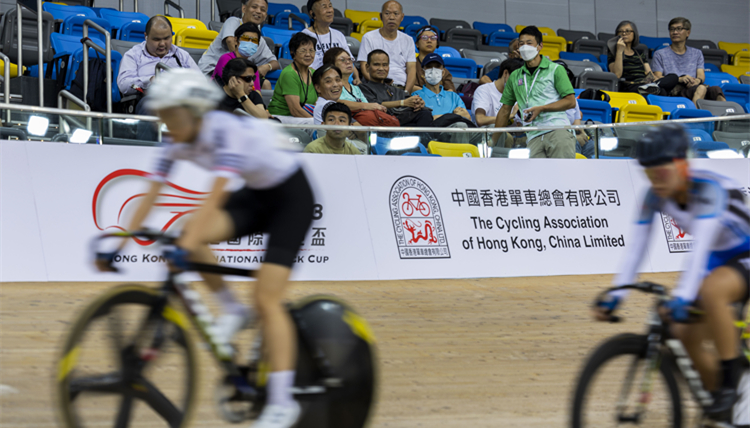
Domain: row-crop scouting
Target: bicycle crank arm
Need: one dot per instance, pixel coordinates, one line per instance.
(309, 390)
(634, 419)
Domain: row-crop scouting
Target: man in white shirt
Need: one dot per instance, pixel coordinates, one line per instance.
(254, 11)
(486, 102)
(399, 46)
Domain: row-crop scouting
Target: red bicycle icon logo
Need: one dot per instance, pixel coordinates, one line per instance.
(412, 204)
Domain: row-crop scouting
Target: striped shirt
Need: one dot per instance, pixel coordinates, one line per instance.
(233, 146)
(632, 67)
(717, 218)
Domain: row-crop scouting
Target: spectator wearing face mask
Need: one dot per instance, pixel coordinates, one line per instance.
(543, 92)
(249, 38)
(428, 39)
(253, 12)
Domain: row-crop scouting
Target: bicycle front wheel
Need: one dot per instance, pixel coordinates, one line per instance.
(127, 346)
(611, 389)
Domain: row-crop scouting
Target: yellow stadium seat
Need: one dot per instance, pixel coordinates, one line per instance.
(13, 69)
(742, 59)
(552, 46)
(639, 113)
(736, 70)
(357, 16)
(580, 156)
(366, 27)
(453, 150)
(180, 23)
(546, 31)
(620, 99)
(194, 38)
(733, 48)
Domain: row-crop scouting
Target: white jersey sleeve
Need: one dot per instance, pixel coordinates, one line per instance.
(639, 242)
(164, 162)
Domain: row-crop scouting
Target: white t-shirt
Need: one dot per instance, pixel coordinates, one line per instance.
(487, 97)
(334, 39)
(234, 146)
(400, 51)
(318, 112)
(573, 113)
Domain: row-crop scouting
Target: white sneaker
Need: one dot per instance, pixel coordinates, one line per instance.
(227, 325)
(275, 416)
(649, 88)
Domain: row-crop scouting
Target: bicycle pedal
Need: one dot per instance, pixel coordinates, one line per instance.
(333, 382)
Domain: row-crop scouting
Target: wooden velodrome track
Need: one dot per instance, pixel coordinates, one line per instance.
(500, 352)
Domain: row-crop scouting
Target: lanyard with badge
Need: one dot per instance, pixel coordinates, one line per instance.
(529, 90)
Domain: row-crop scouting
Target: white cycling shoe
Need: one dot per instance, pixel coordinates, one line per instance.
(227, 325)
(275, 416)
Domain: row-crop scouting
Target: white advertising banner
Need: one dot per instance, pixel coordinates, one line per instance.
(376, 217)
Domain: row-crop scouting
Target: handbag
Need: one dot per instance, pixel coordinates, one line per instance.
(375, 118)
(650, 76)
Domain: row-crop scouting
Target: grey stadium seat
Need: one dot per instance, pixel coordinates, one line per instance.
(483, 57)
(196, 53)
(227, 8)
(605, 81)
(719, 108)
(464, 38)
(626, 139)
(572, 36)
(701, 44)
(500, 49)
(122, 46)
(745, 79)
(735, 140)
(29, 34)
(489, 67)
(605, 36)
(345, 25)
(446, 24)
(215, 26)
(578, 67)
(742, 125)
(298, 136)
(458, 81)
(594, 47)
(353, 45)
(267, 94)
(716, 57)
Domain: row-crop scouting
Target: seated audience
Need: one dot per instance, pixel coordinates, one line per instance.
(138, 66)
(685, 62)
(351, 95)
(329, 85)
(494, 74)
(378, 88)
(248, 36)
(321, 15)
(294, 96)
(253, 12)
(543, 92)
(428, 39)
(631, 65)
(238, 76)
(486, 103)
(398, 46)
(334, 142)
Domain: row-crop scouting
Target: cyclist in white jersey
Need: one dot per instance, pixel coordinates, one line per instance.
(276, 199)
(712, 209)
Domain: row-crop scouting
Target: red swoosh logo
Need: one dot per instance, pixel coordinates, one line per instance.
(170, 200)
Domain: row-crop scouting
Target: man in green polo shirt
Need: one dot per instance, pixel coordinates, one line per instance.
(543, 93)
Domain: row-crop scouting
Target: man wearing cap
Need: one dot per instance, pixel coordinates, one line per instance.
(398, 46)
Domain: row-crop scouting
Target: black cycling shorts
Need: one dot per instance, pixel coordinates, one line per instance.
(741, 263)
(284, 212)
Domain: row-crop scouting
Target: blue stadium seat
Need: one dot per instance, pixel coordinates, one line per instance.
(421, 154)
(73, 26)
(77, 60)
(273, 77)
(488, 28)
(412, 30)
(655, 43)
(712, 68)
(448, 52)
(738, 93)
(276, 8)
(702, 148)
(670, 104)
(278, 35)
(718, 79)
(598, 111)
(132, 32)
(282, 21)
(413, 20)
(285, 52)
(501, 38)
(575, 56)
(98, 10)
(693, 113)
(461, 67)
(578, 91)
(699, 135)
(61, 11)
(119, 19)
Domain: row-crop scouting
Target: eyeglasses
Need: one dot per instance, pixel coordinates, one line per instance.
(255, 40)
(248, 79)
(427, 38)
(305, 51)
(625, 32)
(348, 60)
(676, 29)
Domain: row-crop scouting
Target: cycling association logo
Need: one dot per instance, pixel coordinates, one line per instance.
(678, 240)
(120, 192)
(417, 220)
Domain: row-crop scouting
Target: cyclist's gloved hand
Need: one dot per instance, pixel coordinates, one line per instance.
(178, 257)
(608, 303)
(104, 261)
(678, 309)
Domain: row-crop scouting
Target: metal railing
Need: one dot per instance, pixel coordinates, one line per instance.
(6, 83)
(293, 16)
(75, 100)
(168, 3)
(40, 56)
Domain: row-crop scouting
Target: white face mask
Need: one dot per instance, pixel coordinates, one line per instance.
(528, 52)
(433, 76)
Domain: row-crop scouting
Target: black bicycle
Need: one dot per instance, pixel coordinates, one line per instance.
(130, 361)
(632, 379)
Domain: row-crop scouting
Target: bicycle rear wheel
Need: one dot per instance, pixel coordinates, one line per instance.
(616, 369)
(127, 347)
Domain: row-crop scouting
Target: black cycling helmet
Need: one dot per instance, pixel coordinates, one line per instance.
(662, 145)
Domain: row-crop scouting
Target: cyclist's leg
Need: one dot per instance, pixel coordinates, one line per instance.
(280, 336)
(693, 337)
(220, 228)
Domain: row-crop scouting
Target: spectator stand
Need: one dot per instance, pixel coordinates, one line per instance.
(487, 28)
(276, 8)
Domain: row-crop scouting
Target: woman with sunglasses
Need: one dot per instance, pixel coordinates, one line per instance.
(248, 37)
(351, 95)
(428, 39)
(239, 75)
